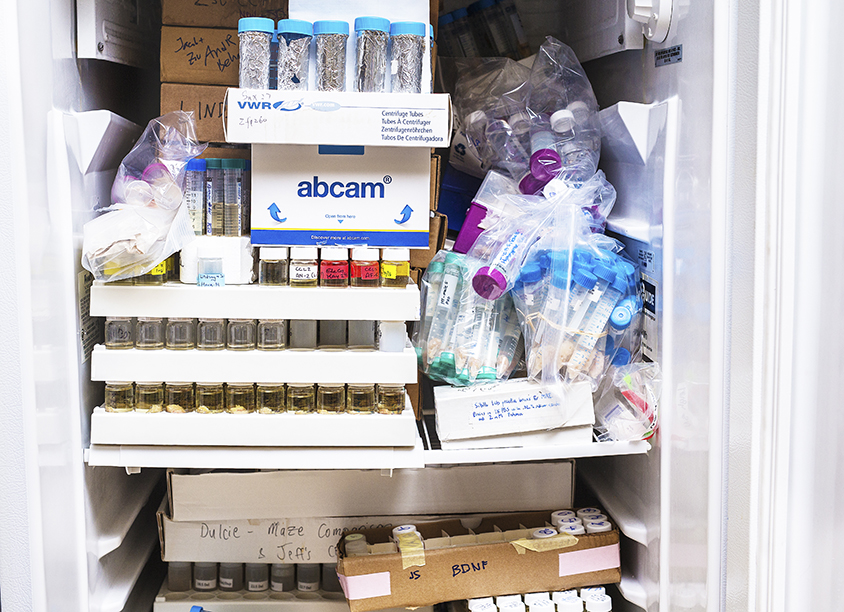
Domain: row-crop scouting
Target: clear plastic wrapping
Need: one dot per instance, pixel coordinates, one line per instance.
(293, 55)
(406, 63)
(628, 409)
(331, 62)
(255, 59)
(371, 60)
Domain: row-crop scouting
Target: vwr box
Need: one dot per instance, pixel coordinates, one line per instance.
(448, 569)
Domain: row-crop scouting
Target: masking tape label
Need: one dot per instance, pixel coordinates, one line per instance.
(365, 586)
(590, 560)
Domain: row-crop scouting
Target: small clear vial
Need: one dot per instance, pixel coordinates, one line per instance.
(332, 335)
(209, 266)
(361, 336)
(211, 334)
(204, 576)
(283, 577)
(331, 399)
(241, 335)
(365, 268)
(334, 267)
(118, 333)
(303, 335)
(301, 398)
(304, 268)
(257, 577)
(294, 44)
(254, 35)
(179, 576)
(307, 576)
(119, 397)
(178, 397)
(395, 268)
(390, 399)
(240, 398)
(210, 398)
(360, 398)
(231, 576)
(272, 334)
(149, 333)
(149, 397)
(180, 334)
(269, 398)
(273, 266)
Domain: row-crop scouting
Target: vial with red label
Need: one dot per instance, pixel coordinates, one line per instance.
(334, 267)
(366, 270)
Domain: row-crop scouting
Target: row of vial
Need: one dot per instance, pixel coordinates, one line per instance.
(332, 267)
(218, 195)
(485, 28)
(590, 599)
(281, 56)
(251, 577)
(264, 398)
(155, 333)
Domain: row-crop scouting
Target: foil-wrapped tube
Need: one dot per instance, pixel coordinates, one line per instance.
(293, 54)
(331, 62)
(371, 60)
(406, 63)
(254, 60)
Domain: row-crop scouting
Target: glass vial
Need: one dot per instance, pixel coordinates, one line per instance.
(211, 334)
(149, 333)
(395, 268)
(303, 335)
(283, 577)
(390, 399)
(118, 333)
(241, 335)
(330, 38)
(361, 336)
(255, 34)
(365, 269)
(179, 576)
(334, 267)
(307, 576)
(204, 576)
(294, 45)
(231, 576)
(272, 334)
(269, 398)
(272, 269)
(331, 399)
(209, 265)
(194, 197)
(330, 581)
(407, 56)
(332, 335)
(257, 577)
(149, 397)
(300, 398)
(178, 397)
(371, 36)
(240, 398)
(119, 397)
(214, 197)
(180, 334)
(210, 398)
(156, 276)
(304, 270)
(361, 399)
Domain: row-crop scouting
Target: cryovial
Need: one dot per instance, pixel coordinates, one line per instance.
(210, 398)
(330, 38)
(257, 577)
(541, 534)
(178, 397)
(269, 398)
(294, 45)
(574, 529)
(255, 34)
(119, 397)
(598, 603)
(561, 514)
(531, 598)
(355, 544)
(583, 511)
(371, 37)
(240, 398)
(598, 527)
(273, 268)
(407, 56)
(149, 397)
(194, 197)
(118, 333)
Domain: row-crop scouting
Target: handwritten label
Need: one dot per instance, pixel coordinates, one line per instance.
(467, 568)
(491, 409)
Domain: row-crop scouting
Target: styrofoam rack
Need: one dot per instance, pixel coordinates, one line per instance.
(255, 302)
(228, 366)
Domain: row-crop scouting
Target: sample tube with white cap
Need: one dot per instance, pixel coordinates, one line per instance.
(504, 600)
(574, 529)
(587, 592)
(356, 544)
(476, 604)
(562, 514)
(583, 511)
(542, 605)
(592, 518)
(532, 598)
(568, 520)
(570, 604)
(513, 606)
(598, 603)
(598, 527)
(545, 532)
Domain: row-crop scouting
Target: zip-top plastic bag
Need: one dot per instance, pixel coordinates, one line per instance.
(628, 409)
(146, 222)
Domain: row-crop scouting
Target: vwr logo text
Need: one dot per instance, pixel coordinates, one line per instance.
(339, 189)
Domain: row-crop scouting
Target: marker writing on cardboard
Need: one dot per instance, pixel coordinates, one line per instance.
(467, 568)
(218, 532)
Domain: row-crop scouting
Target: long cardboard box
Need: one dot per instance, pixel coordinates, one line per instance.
(200, 56)
(217, 14)
(418, 577)
(206, 103)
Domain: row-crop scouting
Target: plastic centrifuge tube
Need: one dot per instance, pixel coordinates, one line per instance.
(594, 325)
(432, 292)
(445, 310)
(469, 325)
(490, 347)
(509, 335)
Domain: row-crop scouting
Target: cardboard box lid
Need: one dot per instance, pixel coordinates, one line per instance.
(206, 56)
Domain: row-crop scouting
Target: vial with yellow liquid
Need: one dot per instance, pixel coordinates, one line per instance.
(301, 398)
(156, 276)
(240, 398)
(331, 398)
(272, 334)
(360, 399)
(210, 398)
(269, 398)
(395, 268)
(149, 397)
(390, 399)
(178, 397)
(119, 397)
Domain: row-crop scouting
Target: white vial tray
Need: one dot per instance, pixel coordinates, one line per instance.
(255, 302)
(254, 366)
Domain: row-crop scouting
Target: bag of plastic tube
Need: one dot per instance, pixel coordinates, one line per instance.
(146, 222)
(462, 338)
(628, 409)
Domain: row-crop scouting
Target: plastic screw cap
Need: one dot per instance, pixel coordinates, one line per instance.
(622, 357)
(489, 283)
(620, 318)
(256, 24)
(453, 258)
(545, 164)
(531, 273)
(530, 185)
(445, 19)
(436, 267)
(579, 110)
(373, 23)
(584, 278)
(562, 121)
(198, 165)
(599, 603)
(603, 272)
(295, 26)
(330, 26)
(415, 28)
(560, 279)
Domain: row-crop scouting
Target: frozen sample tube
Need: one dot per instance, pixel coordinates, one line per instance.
(179, 576)
(118, 333)
(255, 34)
(592, 518)
(303, 335)
(240, 398)
(272, 334)
(241, 335)
(283, 577)
(232, 197)
(562, 521)
(273, 266)
(598, 527)
(257, 577)
(541, 534)
(558, 596)
(513, 606)
(269, 398)
(531, 598)
(598, 603)
(180, 334)
(589, 592)
(542, 605)
(569, 604)
(445, 312)
(194, 197)
(503, 600)
(178, 397)
(596, 320)
(210, 398)
(149, 333)
(407, 56)
(294, 44)
(355, 544)
(231, 576)
(514, 26)
(371, 37)
(429, 304)
(204, 576)
(330, 39)
(478, 602)
(361, 335)
(561, 514)
(307, 576)
(149, 397)
(214, 197)
(119, 397)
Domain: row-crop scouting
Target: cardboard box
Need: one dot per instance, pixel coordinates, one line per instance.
(376, 581)
(343, 118)
(436, 168)
(231, 152)
(437, 231)
(206, 102)
(510, 407)
(318, 195)
(216, 14)
(432, 490)
(200, 56)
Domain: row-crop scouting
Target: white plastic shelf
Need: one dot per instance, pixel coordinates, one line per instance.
(255, 302)
(534, 453)
(254, 366)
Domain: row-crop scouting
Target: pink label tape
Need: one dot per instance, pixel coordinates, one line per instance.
(590, 560)
(365, 586)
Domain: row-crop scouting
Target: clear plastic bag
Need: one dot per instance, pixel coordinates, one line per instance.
(147, 221)
(628, 408)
